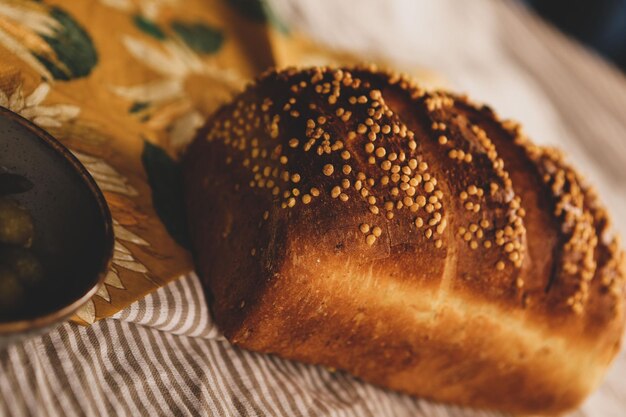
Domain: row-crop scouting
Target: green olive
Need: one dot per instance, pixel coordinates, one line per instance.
(11, 291)
(13, 183)
(24, 263)
(16, 224)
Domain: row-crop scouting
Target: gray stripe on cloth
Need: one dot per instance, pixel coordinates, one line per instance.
(115, 364)
(78, 366)
(139, 369)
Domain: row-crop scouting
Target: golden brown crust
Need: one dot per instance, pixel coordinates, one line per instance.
(348, 218)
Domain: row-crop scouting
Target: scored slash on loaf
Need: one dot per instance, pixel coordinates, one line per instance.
(348, 218)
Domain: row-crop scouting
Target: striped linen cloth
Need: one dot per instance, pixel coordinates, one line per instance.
(164, 356)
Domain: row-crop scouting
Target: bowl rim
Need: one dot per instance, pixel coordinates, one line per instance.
(65, 311)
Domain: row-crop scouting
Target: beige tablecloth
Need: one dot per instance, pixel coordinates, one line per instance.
(163, 355)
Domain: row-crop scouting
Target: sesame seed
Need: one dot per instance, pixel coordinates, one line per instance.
(266, 215)
(334, 193)
(380, 152)
(295, 178)
(291, 202)
(345, 155)
(328, 169)
(374, 209)
(343, 197)
(442, 140)
(377, 231)
(438, 243)
(500, 266)
(419, 222)
(369, 147)
(306, 199)
(364, 227)
(315, 192)
(370, 239)
(346, 169)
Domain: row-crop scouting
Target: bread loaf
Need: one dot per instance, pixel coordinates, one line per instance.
(348, 218)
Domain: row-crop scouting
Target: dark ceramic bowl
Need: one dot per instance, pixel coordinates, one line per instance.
(73, 226)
